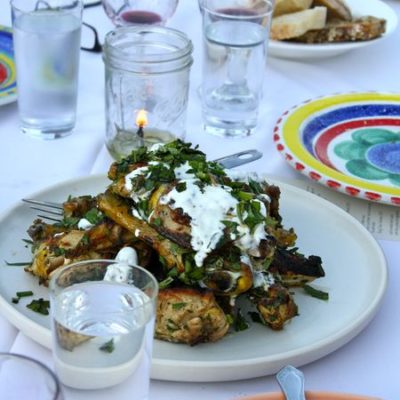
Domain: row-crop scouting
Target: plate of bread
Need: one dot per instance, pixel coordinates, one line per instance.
(308, 29)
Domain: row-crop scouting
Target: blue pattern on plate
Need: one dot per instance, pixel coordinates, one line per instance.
(323, 121)
(385, 156)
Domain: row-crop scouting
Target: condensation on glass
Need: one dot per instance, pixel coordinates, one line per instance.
(147, 72)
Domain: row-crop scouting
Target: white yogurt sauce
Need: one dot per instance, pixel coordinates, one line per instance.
(84, 224)
(127, 255)
(262, 279)
(120, 271)
(206, 209)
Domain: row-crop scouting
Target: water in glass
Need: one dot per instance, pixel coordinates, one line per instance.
(46, 47)
(235, 46)
(103, 327)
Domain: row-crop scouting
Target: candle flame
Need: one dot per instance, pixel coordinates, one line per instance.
(141, 118)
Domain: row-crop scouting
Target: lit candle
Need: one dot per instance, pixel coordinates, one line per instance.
(141, 122)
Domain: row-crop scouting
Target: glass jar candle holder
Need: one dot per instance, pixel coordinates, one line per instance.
(147, 84)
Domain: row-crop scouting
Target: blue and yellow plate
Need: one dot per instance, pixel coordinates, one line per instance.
(8, 84)
(348, 142)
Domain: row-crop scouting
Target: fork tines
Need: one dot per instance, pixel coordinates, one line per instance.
(44, 203)
(54, 212)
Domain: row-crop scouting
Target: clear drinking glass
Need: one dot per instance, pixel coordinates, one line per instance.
(46, 38)
(103, 316)
(138, 12)
(235, 36)
(23, 377)
(147, 72)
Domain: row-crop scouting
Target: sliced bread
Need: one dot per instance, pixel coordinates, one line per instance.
(337, 9)
(365, 28)
(289, 6)
(292, 25)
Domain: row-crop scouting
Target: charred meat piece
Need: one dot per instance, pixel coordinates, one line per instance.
(119, 211)
(191, 316)
(71, 245)
(78, 206)
(274, 304)
(294, 268)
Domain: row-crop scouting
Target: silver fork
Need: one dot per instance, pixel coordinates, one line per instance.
(56, 209)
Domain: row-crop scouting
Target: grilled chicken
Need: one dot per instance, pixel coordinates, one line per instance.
(191, 316)
(274, 304)
(247, 250)
(67, 245)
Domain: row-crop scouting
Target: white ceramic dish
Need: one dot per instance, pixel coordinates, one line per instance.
(356, 278)
(376, 8)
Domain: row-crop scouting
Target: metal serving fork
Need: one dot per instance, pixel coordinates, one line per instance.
(55, 210)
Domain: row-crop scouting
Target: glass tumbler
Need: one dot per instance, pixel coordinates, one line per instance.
(22, 377)
(103, 314)
(47, 37)
(235, 38)
(147, 83)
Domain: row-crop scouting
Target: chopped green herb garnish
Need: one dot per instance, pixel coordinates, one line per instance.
(180, 187)
(256, 317)
(240, 324)
(94, 216)
(40, 306)
(26, 293)
(108, 347)
(15, 300)
(166, 282)
(319, 294)
(18, 264)
(178, 306)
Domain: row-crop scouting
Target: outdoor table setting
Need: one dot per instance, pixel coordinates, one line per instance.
(322, 120)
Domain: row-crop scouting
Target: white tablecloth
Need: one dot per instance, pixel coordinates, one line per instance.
(366, 365)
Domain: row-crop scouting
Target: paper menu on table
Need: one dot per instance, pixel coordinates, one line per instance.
(381, 220)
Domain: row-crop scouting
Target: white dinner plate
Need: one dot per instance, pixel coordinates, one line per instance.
(355, 279)
(376, 8)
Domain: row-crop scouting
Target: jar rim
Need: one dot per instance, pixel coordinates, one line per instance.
(169, 52)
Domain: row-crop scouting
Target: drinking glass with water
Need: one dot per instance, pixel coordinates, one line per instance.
(46, 38)
(103, 314)
(235, 36)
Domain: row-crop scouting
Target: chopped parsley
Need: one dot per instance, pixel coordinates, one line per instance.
(178, 306)
(19, 295)
(94, 216)
(108, 347)
(319, 294)
(40, 306)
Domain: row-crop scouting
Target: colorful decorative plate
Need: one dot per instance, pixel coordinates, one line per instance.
(348, 142)
(8, 84)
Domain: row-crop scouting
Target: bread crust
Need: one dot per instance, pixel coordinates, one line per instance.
(362, 29)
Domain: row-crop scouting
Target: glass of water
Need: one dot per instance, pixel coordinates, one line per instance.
(23, 377)
(235, 37)
(103, 314)
(46, 36)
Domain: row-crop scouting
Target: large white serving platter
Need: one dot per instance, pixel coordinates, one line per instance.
(356, 278)
(376, 8)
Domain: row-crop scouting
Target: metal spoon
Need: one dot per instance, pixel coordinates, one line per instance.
(291, 381)
(240, 158)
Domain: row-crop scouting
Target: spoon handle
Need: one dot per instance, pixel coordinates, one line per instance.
(243, 157)
(291, 380)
